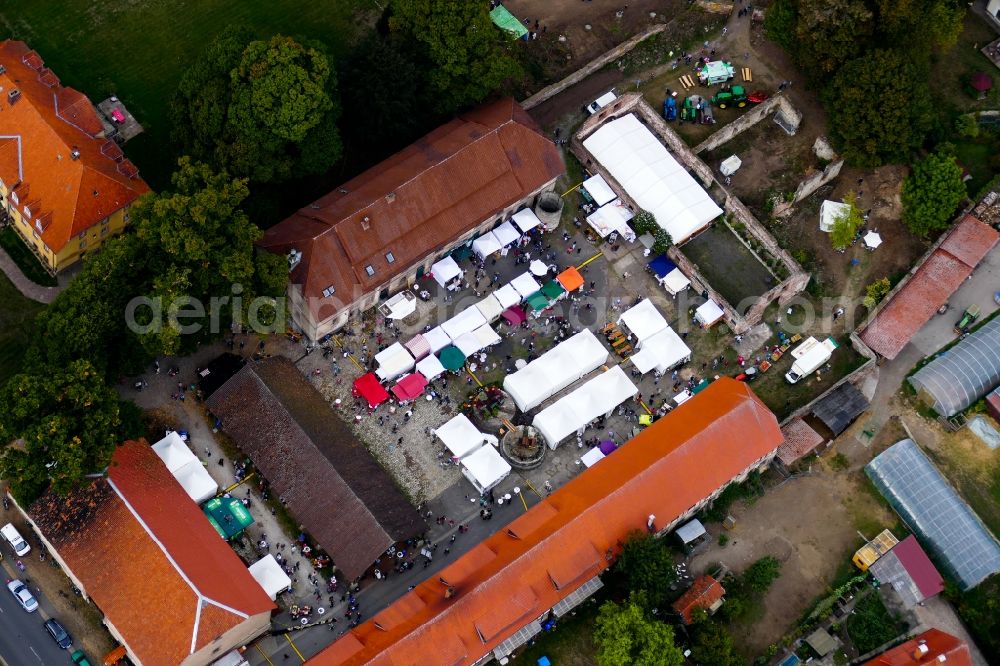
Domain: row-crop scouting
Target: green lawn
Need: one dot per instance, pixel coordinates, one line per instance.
(16, 316)
(138, 50)
(25, 259)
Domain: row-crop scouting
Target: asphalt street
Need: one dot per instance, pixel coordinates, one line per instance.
(23, 640)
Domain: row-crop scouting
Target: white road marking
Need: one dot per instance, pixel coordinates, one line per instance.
(34, 653)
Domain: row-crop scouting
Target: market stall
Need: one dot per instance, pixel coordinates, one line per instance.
(445, 271)
(525, 285)
(662, 352)
(490, 308)
(573, 412)
(612, 218)
(270, 576)
(599, 190)
(393, 361)
(368, 387)
(409, 387)
(430, 367)
(514, 315)
(507, 234)
(507, 296)
(486, 245)
(460, 436)
(186, 468)
(452, 358)
(525, 220)
(464, 322)
(675, 282)
(570, 279)
(437, 339)
(399, 306)
(472, 342)
(485, 468)
(643, 321)
(418, 346)
(708, 313)
(553, 291)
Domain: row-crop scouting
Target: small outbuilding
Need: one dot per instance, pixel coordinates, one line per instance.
(705, 593)
(909, 571)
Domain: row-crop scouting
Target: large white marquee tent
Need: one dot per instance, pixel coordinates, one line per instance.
(661, 352)
(460, 436)
(643, 321)
(186, 468)
(485, 468)
(555, 370)
(655, 180)
(572, 412)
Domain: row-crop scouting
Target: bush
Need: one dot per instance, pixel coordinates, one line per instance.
(661, 240)
(871, 624)
(644, 222)
(875, 292)
(966, 125)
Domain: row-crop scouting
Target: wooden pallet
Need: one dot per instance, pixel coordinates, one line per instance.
(687, 82)
(747, 74)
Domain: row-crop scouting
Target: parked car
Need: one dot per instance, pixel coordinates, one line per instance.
(23, 595)
(15, 540)
(79, 658)
(58, 633)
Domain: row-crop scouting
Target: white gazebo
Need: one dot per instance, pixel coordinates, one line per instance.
(437, 339)
(661, 352)
(507, 234)
(485, 468)
(525, 220)
(270, 576)
(675, 282)
(445, 271)
(643, 320)
(708, 313)
(460, 436)
(507, 296)
(486, 245)
(525, 285)
(599, 190)
(430, 367)
(872, 240)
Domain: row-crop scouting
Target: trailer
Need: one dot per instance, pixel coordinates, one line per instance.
(809, 357)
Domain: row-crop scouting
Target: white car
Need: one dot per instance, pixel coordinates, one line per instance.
(23, 595)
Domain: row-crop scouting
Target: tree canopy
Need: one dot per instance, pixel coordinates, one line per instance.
(932, 193)
(879, 107)
(469, 57)
(263, 110)
(711, 643)
(627, 636)
(846, 224)
(58, 424)
(645, 565)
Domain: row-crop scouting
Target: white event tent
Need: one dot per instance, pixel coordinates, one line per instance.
(652, 177)
(507, 296)
(464, 322)
(485, 468)
(829, 211)
(675, 282)
(472, 342)
(186, 468)
(572, 412)
(270, 576)
(643, 321)
(430, 367)
(445, 271)
(460, 436)
(525, 220)
(507, 234)
(486, 245)
(661, 352)
(490, 308)
(556, 369)
(599, 190)
(525, 285)
(393, 361)
(708, 313)
(437, 339)
(612, 217)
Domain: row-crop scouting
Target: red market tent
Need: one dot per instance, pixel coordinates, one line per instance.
(514, 315)
(409, 387)
(368, 387)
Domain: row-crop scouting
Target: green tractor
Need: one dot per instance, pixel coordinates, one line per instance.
(730, 96)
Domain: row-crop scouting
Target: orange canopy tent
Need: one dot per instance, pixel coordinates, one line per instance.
(570, 279)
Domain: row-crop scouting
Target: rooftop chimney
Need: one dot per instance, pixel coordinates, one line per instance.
(13, 95)
(390, 197)
(941, 658)
(294, 257)
(75, 153)
(366, 223)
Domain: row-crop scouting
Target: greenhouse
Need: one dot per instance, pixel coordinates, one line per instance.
(963, 374)
(930, 507)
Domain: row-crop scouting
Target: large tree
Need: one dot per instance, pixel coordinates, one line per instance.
(879, 107)
(264, 110)
(831, 32)
(646, 565)
(57, 424)
(846, 224)
(199, 245)
(469, 57)
(711, 643)
(627, 636)
(932, 193)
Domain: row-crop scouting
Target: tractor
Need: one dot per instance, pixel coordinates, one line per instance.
(670, 106)
(730, 96)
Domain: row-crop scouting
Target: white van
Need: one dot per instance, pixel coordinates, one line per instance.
(810, 356)
(13, 537)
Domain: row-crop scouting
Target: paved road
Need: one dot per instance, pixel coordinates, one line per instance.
(23, 640)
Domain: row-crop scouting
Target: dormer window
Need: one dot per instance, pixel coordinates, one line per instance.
(329, 291)
(27, 212)
(389, 258)
(370, 270)
(13, 197)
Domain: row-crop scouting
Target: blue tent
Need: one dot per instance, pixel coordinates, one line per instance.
(662, 266)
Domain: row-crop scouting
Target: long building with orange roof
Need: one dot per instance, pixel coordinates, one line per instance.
(489, 601)
(64, 184)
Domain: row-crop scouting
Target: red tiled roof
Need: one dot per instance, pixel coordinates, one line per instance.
(38, 134)
(930, 286)
(416, 201)
(800, 441)
(518, 574)
(918, 566)
(925, 649)
(703, 593)
(149, 558)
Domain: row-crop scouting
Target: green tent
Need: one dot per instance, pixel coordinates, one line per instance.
(504, 20)
(228, 516)
(553, 290)
(461, 252)
(452, 358)
(537, 301)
